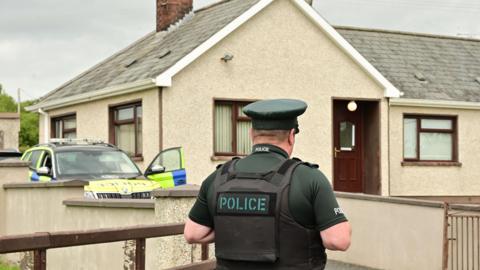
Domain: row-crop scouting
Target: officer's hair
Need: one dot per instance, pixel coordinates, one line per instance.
(270, 135)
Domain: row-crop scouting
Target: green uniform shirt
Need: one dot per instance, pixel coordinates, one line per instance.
(311, 199)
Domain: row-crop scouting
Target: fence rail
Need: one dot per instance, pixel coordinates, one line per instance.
(462, 234)
(41, 242)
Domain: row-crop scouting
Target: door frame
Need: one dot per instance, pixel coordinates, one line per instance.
(378, 101)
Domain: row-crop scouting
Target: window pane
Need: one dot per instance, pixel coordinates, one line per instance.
(124, 114)
(34, 158)
(409, 138)
(69, 123)
(435, 146)
(58, 129)
(223, 128)
(90, 164)
(139, 111)
(170, 160)
(27, 156)
(70, 135)
(347, 136)
(240, 112)
(125, 138)
(244, 143)
(139, 131)
(436, 123)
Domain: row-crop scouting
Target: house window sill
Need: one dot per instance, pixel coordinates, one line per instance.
(432, 163)
(137, 159)
(222, 158)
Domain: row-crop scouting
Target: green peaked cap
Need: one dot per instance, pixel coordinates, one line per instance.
(275, 114)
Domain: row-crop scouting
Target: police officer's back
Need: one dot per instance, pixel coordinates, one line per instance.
(267, 211)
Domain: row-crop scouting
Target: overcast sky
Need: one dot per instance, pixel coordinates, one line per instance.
(44, 43)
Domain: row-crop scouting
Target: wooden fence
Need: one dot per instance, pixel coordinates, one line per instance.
(39, 243)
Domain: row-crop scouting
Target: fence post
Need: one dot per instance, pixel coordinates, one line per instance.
(140, 254)
(40, 259)
(445, 236)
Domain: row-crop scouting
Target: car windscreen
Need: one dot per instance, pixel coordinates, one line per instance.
(95, 164)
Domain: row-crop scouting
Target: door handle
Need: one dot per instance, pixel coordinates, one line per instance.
(335, 151)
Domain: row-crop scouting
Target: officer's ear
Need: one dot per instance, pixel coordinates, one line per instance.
(250, 132)
(291, 137)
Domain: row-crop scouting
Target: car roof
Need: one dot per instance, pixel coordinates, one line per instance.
(69, 148)
(76, 147)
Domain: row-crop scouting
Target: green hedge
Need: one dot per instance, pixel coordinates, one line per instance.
(4, 266)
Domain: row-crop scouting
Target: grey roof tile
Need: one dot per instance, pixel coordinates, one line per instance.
(449, 64)
(143, 55)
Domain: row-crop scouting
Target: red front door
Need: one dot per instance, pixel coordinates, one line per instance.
(347, 149)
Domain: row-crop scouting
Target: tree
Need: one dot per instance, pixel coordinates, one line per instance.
(28, 126)
(7, 103)
(28, 120)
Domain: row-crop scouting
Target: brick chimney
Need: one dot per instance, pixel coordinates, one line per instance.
(171, 11)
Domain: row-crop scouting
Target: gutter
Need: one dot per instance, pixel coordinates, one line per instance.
(45, 124)
(94, 95)
(429, 103)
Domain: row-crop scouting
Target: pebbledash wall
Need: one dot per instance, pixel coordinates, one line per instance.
(400, 241)
(9, 129)
(393, 233)
(93, 120)
(457, 179)
(302, 64)
(63, 208)
(11, 170)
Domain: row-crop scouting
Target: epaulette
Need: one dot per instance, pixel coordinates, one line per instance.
(220, 165)
(311, 165)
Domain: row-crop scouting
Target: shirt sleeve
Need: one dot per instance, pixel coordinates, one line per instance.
(200, 212)
(325, 205)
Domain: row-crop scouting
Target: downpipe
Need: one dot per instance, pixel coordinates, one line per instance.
(45, 124)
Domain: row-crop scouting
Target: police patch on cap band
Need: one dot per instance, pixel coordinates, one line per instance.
(275, 114)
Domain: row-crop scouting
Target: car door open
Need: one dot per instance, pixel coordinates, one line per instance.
(168, 168)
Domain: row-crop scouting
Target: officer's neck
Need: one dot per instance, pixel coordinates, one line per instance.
(285, 145)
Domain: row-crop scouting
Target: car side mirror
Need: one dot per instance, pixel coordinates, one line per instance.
(44, 171)
(157, 169)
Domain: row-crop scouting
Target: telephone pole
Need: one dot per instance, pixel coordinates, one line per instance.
(18, 100)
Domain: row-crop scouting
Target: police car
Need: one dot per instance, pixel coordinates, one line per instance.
(109, 171)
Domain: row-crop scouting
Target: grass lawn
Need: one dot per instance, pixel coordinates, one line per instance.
(4, 266)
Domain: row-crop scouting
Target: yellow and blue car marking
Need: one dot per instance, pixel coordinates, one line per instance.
(171, 178)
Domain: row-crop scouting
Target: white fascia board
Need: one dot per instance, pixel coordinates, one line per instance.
(95, 95)
(389, 89)
(429, 103)
(165, 79)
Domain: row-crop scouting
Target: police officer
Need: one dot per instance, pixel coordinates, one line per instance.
(267, 211)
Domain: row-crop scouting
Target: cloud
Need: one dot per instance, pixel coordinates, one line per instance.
(45, 43)
(446, 17)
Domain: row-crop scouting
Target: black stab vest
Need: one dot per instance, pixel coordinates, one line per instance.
(254, 228)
